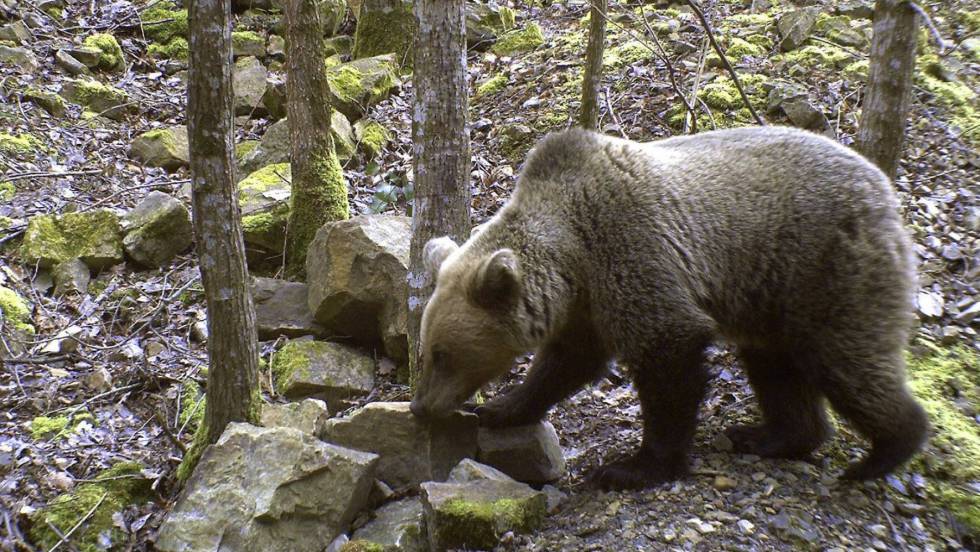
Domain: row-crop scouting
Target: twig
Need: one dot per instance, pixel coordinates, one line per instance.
(936, 35)
(670, 69)
(724, 60)
(23, 176)
(168, 433)
(612, 114)
(690, 122)
(33, 359)
(85, 518)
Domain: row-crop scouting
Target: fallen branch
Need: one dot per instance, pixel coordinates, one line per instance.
(724, 60)
(24, 176)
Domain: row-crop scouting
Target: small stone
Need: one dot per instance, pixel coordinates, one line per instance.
(199, 331)
(90, 56)
(308, 415)
(878, 530)
(970, 315)
(100, 380)
(795, 27)
(746, 526)
(722, 443)
(71, 65)
(930, 304)
(167, 148)
(19, 56)
(724, 483)
(530, 453)
(154, 348)
(248, 81)
(71, 276)
(157, 230)
(281, 309)
(471, 470)
(701, 526)
(396, 526)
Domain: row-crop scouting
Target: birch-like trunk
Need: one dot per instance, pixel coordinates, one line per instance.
(885, 109)
(233, 384)
(589, 115)
(441, 148)
(319, 191)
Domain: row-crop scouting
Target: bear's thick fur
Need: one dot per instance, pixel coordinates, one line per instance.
(782, 242)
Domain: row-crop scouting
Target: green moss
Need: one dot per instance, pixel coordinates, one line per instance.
(315, 203)
(626, 54)
(178, 49)
(19, 146)
(389, 31)
(507, 18)
(264, 223)
(163, 22)
(294, 358)
(246, 40)
(957, 98)
(814, 55)
(721, 93)
(15, 311)
(857, 71)
(193, 454)
(938, 377)
(739, 48)
(522, 40)
(109, 494)
(5, 222)
(971, 19)
(492, 85)
(7, 191)
(112, 54)
(479, 524)
(192, 403)
(245, 147)
(345, 83)
(748, 20)
(93, 235)
(92, 93)
(48, 101)
(373, 137)
(268, 177)
(361, 545)
(57, 427)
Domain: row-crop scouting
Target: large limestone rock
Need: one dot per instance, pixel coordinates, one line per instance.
(307, 415)
(795, 27)
(267, 490)
(485, 22)
(528, 453)
(475, 514)
(92, 236)
(357, 272)
(281, 309)
(329, 371)
(166, 147)
(471, 470)
(274, 146)
(108, 101)
(359, 84)
(249, 81)
(263, 197)
(411, 450)
(397, 527)
(385, 27)
(157, 230)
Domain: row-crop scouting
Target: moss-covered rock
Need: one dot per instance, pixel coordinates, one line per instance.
(16, 312)
(385, 27)
(163, 22)
(247, 43)
(843, 30)
(157, 230)
(19, 57)
(48, 101)
(164, 147)
(820, 54)
(58, 427)
(7, 191)
(372, 137)
(957, 98)
(521, 40)
(722, 93)
(943, 380)
(102, 99)
(492, 85)
(625, 54)
(341, 45)
(110, 492)
(177, 49)
(93, 236)
(359, 84)
(332, 14)
(111, 56)
(330, 371)
(485, 22)
(19, 146)
(263, 197)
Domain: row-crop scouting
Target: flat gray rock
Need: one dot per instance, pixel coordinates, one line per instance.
(528, 453)
(281, 309)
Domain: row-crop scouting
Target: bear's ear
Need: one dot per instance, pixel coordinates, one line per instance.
(497, 282)
(436, 251)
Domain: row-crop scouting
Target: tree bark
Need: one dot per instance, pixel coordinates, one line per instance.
(441, 148)
(886, 101)
(233, 384)
(589, 115)
(319, 191)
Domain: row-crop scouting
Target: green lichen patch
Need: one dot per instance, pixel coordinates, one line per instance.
(58, 427)
(111, 58)
(109, 494)
(163, 22)
(361, 545)
(93, 236)
(7, 191)
(294, 360)
(386, 31)
(177, 48)
(264, 201)
(521, 40)
(20, 146)
(626, 54)
(944, 380)
(15, 310)
(492, 85)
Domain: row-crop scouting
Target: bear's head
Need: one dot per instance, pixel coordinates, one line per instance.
(470, 330)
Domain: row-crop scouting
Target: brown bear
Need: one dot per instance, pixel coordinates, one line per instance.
(782, 242)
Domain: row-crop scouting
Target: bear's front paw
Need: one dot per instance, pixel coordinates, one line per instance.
(640, 472)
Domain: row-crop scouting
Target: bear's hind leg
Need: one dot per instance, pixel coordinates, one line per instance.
(872, 396)
(670, 388)
(794, 420)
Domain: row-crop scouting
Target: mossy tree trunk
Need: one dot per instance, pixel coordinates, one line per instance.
(888, 95)
(589, 115)
(319, 191)
(233, 383)
(441, 148)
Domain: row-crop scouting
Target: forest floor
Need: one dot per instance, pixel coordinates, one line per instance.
(129, 373)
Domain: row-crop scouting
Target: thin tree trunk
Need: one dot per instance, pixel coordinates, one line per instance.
(233, 384)
(319, 191)
(441, 148)
(885, 109)
(589, 116)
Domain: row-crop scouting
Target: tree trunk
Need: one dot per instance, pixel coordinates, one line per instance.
(319, 191)
(886, 101)
(589, 116)
(441, 148)
(233, 384)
